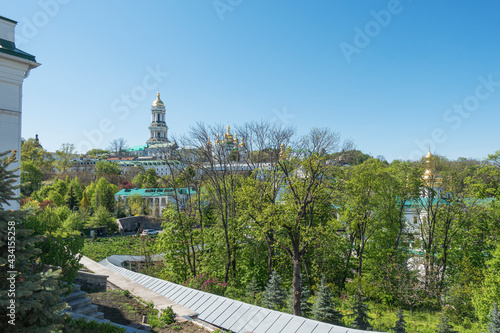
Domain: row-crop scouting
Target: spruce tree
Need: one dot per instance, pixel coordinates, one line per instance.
(400, 324)
(444, 326)
(494, 324)
(360, 314)
(305, 305)
(274, 296)
(253, 289)
(324, 307)
(29, 298)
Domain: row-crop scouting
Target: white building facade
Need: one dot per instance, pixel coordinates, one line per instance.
(15, 66)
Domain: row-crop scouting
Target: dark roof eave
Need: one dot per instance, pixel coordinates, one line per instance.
(9, 47)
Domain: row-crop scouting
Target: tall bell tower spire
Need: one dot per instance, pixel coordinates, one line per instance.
(158, 128)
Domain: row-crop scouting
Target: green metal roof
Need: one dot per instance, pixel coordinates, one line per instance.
(137, 148)
(423, 200)
(7, 19)
(154, 192)
(145, 163)
(9, 47)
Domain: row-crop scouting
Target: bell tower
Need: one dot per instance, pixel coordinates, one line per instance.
(158, 128)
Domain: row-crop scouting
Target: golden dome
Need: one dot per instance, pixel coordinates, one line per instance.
(235, 138)
(228, 135)
(158, 101)
(430, 175)
(217, 141)
(242, 144)
(208, 142)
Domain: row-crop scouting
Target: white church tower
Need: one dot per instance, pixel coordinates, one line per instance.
(158, 128)
(15, 66)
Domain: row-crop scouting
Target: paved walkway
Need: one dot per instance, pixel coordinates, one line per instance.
(135, 288)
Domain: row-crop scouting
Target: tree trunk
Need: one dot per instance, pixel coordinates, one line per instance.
(296, 281)
(270, 254)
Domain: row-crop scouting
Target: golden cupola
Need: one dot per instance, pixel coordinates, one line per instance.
(158, 101)
(242, 144)
(282, 150)
(217, 141)
(228, 136)
(430, 177)
(236, 139)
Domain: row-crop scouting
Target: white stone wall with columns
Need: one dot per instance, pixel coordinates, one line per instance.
(15, 66)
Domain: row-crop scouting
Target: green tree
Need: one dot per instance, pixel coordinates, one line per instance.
(444, 326)
(494, 323)
(32, 150)
(306, 208)
(109, 170)
(489, 290)
(136, 204)
(73, 222)
(64, 157)
(102, 193)
(95, 152)
(31, 178)
(147, 179)
(102, 218)
(274, 296)
(360, 314)
(37, 298)
(400, 326)
(360, 205)
(324, 307)
(253, 288)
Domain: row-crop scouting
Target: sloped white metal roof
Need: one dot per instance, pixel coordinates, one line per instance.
(221, 311)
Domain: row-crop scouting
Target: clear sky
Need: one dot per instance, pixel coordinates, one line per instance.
(395, 76)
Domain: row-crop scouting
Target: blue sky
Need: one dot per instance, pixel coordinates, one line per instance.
(395, 76)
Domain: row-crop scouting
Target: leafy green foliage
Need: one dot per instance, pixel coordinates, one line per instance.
(167, 317)
(81, 325)
(147, 179)
(489, 290)
(32, 150)
(102, 218)
(31, 178)
(109, 170)
(207, 284)
(444, 326)
(102, 248)
(33, 295)
(64, 157)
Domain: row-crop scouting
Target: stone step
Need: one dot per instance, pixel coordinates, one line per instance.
(75, 295)
(98, 315)
(78, 303)
(87, 310)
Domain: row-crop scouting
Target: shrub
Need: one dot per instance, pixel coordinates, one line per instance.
(207, 284)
